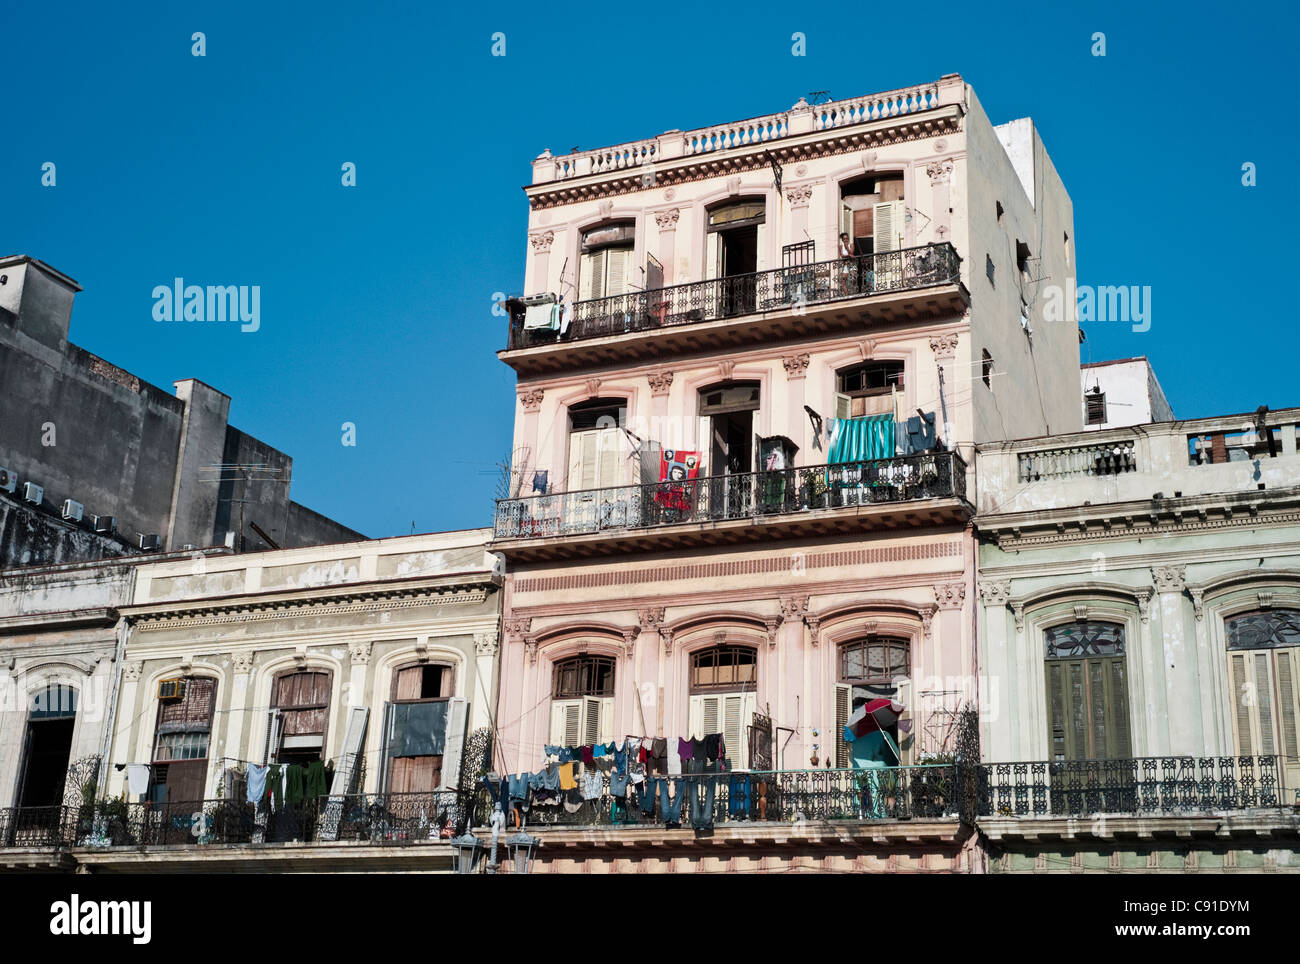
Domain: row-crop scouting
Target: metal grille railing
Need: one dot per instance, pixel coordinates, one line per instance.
(748, 495)
(789, 289)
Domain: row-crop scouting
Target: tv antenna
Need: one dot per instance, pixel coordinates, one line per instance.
(223, 473)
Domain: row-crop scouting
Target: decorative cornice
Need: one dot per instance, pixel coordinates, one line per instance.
(487, 643)
(994, 593)
(796, 366)
(541, 241)
(222, 615)
(950, 595)
(660, 382)
(1169, 578)
(531, 399)
(799, 195)
(944, 346)
(667, 220)
(359, 651)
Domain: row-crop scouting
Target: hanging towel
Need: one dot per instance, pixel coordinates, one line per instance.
(543, 316)
(256, 783)
(567, 782)
(137, 778)
(294, 784)
(315, 781)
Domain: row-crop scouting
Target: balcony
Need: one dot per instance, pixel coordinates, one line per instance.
(790, 503)
(911, 284)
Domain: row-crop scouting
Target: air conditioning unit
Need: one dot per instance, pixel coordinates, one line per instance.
(8, 480)
(171, 689)
(33, 493)
(149, 543)
(105, 524)
(73, 510)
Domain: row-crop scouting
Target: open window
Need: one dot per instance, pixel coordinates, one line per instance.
(420, 721)
(1095, 407)
(182, 741)
(870, 668)
(300, 709)
(598, 449)
(47, 746)
(870, 388)
(872, 213)
(582, 701)
(605, 261)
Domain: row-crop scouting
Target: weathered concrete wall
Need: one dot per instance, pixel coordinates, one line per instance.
(29, 537)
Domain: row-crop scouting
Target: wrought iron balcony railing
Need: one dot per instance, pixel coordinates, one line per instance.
(789, 290)
(1141, 786)
(749, 495)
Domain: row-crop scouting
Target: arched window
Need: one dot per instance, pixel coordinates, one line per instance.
(733, 240)
(605, 261)
(870, 668)
(301, 701)
(1263, 662)
(183, 737)
(418, 725)
(582, 701)
(868, 388)
(1087, 691)
(47, 748)
(723, 686)
(872, 213)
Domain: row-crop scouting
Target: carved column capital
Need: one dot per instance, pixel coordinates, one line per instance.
(927, 621)
(793, 607)
(660, 382)
(994, 593)
(950, 595)
(541, 241)
(773, 624)
(1018, 610)
(796, 366)
(530, 646)
(629, 642)
(799, 195)
(531, 399)
(666, 636)
(487, 643)
(667, 220)
(131, 670)
(1169, 578)
(814, 624)
(1144, 604)
(359, 651)
(944, 346)
(940, 171)
(650, 618)
(242, 662)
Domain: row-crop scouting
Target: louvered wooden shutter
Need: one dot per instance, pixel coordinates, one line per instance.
(606, 719)
(591, 275)
(1288, 706)
(618, 269)
(454, 745)
(843, 406)
(609, 459)
(583, 447)
(1119, 743)
(1241, 703)
(591, 720)
(843, 698)
(1264, 702)
(887, 220)
(566, 723)
(760, 256)
(712, 256)
(272, 736)
(846, 224)
(738, 710)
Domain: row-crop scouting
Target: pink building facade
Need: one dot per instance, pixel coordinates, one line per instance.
(814, 315)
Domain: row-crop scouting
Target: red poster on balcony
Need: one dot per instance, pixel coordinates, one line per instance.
(677, 469)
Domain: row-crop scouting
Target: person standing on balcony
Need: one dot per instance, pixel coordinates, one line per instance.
(846, 263)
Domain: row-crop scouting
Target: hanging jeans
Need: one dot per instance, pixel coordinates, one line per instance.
(702, 790)
(738, 795)
(670, 808)
(647, 792)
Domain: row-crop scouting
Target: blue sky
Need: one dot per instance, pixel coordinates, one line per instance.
(376, 300)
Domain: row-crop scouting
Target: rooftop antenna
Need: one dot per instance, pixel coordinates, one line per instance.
(818, 96)
(246, 472)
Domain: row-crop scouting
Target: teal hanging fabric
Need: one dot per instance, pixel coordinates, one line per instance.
(862, 439)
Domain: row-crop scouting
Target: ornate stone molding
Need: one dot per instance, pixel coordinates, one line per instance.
(1081, 613)
(650, 618)
(248, 613)
(131, 670)
(773, 624)
(530, 646)
(1198, 600)
(1169, 578)
(487, 643)
(993, 593)
(944, 346)
(667, 220)
(796, 366)
(814, 624)
(1265, 600)
(940, 171)
(531, 399)
(593, 387)
(927, 621)
(666, 635)
(1144, 604)
(725, 368)
(1018, 611)
(359, 650)
(950, 595)
(793, 607)
(242, 661)
(660, 382)
(541, 241)
(606, 209)
(799, 195)
(629, 642)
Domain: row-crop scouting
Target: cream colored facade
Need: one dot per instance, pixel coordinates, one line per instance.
(356, 611)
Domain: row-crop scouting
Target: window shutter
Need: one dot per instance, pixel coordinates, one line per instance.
(734, 720)
(606, 719)
(760, 257)
(591, 276)
(1119, 740)
(846, 224)
(272, 736)
(1241, 705)
(454, 745)
(712, 255)
(1288, 710)
(888, 223)
(609, 459)
(710, 717)
(583, 449)
(695, 718)
(618, 265)
(591, 720)
(1058, 711)
(843, 406)
(843, 698)
(566, 723)
(704, 443)
(1264, 700)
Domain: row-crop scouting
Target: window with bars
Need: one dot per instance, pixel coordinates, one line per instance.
(583, 676)
(724, 667)
(870, 668)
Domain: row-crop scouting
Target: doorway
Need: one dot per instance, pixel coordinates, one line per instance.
(728, 412)
(47, 747)
(734, 232)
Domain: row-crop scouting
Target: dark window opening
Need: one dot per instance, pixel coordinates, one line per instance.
(1000, 212)
(1022, 260)
(47, 746)
(988, 267)
(582, 676)
(869, 387)
(859, 200)
(1096, 402)
(182, 743)
(724, 668)
(303, 701)
(986, 368)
